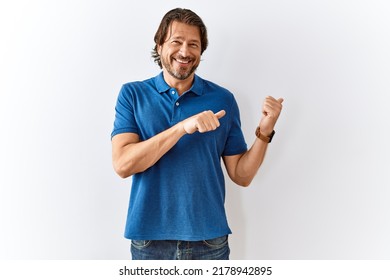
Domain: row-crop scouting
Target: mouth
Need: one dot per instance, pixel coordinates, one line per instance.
(183, 61)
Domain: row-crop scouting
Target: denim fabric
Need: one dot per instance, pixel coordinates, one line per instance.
(212, 249)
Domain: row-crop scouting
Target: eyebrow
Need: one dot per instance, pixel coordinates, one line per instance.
(182, 38)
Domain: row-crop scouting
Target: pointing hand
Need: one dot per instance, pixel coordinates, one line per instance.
(203, 122)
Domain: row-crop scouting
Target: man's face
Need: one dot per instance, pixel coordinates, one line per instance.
(181, 51)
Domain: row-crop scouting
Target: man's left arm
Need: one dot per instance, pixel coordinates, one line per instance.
(242, 168)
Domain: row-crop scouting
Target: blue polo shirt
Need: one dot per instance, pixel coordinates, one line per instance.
(182, 196)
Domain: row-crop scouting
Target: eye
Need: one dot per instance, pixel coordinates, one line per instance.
(194, 45)
(175, 42)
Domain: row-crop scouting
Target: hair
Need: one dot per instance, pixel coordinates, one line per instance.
(181, 15)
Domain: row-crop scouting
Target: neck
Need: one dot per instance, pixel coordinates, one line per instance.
(180, 85)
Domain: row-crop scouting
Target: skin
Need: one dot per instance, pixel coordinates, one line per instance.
(180, 56)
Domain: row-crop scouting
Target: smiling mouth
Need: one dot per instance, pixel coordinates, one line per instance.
(182, 61)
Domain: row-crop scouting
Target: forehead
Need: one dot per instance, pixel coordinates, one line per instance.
(184, 31)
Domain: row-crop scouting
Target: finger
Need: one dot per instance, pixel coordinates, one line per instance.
(269, 97)
(208, 125)
(201, 128)
(272, 109)
(208, 121)
(220, 114)
(280, 100)
(272, 102)
(203, 122)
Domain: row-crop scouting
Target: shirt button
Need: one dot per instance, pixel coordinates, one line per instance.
(177, 103)
(173, 92)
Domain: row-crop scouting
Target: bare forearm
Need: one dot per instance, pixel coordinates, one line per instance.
(243, 168)
(131, 156)
(137, 157)
(250, 162)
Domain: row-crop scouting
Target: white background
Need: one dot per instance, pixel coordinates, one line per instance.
(323, 190)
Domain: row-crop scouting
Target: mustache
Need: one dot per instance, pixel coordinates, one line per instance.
(184, 57)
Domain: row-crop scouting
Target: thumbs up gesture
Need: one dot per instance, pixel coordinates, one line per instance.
(270, 114)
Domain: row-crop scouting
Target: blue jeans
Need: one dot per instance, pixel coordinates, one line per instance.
(212, 249)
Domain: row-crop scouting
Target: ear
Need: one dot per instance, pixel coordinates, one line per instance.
(159, 47)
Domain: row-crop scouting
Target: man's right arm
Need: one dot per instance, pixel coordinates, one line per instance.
(131, 156)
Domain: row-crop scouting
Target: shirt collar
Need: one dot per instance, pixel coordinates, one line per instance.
(162, 86)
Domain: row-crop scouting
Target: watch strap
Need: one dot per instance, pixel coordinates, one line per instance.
(262, 137)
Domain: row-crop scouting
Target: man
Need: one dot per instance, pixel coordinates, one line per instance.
(170, 134)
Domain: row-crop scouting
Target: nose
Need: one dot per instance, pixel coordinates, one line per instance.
(183, 50)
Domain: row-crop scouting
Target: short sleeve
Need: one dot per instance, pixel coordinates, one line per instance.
(124, 113)
(235, 143)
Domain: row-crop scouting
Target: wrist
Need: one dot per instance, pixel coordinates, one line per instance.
(264, 136)
(181, 129)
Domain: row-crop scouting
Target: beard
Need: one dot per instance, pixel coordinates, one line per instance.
(180, 73)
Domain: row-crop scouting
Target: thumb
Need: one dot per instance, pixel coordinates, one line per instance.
(280, 100)
(220, 114)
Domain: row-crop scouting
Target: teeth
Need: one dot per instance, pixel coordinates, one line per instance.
(182, 61)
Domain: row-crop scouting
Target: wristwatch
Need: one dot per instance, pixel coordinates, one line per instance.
(264, 138)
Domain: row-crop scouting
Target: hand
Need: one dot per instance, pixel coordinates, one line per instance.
(203, 122)
(271, 111)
